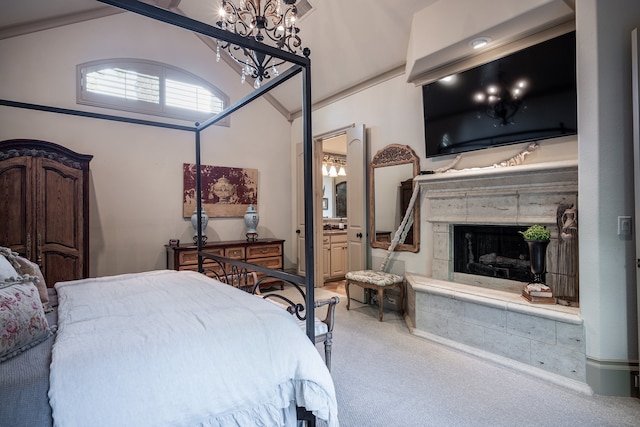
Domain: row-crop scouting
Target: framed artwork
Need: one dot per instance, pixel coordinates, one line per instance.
(325, 204)
(226, 192)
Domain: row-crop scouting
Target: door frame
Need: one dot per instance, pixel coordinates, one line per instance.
(317, 192)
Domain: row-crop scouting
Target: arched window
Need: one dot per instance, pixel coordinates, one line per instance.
(148, 87)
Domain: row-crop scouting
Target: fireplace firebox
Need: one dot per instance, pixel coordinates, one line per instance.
(492, 251)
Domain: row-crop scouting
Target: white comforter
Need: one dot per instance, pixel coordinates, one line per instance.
(168, 348)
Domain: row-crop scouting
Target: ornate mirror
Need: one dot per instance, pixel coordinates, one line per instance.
(391, 175)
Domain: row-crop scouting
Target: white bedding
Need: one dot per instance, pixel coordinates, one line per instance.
(168, 348)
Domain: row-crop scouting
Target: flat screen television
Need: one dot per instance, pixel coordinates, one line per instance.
(529, 95)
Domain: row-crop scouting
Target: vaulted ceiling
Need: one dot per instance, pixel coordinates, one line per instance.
(354, 43)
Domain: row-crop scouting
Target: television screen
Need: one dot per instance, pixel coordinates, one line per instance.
(527, 96)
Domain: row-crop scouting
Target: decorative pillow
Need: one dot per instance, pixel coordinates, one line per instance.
(33, 269)
(22, 320)
(7, 271)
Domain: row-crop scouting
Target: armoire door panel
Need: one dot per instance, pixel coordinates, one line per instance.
(58, 266)
(16, 204)
(60, 220)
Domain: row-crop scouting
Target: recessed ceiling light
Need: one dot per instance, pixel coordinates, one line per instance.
(479, 42)
(449, 80)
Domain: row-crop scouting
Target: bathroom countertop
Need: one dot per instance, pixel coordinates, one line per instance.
(332, 232)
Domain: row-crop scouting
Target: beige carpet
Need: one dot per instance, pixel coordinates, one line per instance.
(386, 377)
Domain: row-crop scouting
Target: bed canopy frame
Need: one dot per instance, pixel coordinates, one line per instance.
(300, 64)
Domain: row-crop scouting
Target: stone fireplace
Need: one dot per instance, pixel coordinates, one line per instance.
(510, 198)
(481, 211)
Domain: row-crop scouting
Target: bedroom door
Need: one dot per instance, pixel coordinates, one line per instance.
(47, 220)
(356, 200)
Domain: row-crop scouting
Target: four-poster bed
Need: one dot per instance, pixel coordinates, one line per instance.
(83, 368)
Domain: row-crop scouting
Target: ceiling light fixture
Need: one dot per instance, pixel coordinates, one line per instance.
(479, 42)
(275, 19)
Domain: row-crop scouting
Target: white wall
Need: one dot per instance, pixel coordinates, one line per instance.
(136, 172)
(392, 113)
(607, 261)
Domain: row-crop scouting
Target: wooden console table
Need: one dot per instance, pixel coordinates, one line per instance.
(264, 252)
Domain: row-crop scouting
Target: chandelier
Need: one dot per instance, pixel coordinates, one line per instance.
(501, 102)
(268, 21)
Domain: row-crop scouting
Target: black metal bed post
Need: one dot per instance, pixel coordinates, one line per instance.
(199, 198)
(307, 155)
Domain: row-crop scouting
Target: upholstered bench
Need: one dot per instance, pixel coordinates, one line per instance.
(376, 280)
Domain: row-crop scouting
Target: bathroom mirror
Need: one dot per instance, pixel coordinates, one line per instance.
(391, 174)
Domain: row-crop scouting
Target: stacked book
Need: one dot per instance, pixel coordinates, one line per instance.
(538, 293)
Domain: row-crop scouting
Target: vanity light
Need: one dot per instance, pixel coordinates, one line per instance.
(479, 42)
(334, 165)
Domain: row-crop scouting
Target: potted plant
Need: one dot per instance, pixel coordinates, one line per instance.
(537, 238)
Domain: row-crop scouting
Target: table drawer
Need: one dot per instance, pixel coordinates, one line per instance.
(273, 262)
(191, 257)
(263, 251)
(234, 252)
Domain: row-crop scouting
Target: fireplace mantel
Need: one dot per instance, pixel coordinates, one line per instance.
(515, 195)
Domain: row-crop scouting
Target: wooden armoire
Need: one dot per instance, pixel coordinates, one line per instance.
(44, 206)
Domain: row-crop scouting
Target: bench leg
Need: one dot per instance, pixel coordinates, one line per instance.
(327, 350)
(380, 302)
(346, 288)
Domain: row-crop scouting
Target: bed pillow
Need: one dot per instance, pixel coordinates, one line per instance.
(32, 269)
(22, 320)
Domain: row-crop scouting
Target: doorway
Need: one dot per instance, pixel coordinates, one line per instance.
(355, 221)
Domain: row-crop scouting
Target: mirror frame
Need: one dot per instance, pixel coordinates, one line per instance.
(392, 155)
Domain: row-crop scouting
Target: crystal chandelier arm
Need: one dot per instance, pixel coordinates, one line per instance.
(254, 19)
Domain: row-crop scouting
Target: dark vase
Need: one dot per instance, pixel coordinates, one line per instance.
(537, 257)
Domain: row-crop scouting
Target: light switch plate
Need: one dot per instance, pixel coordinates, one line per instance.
(624, 226)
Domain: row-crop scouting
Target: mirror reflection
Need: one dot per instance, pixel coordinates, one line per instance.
(334, 185)
(391, 176)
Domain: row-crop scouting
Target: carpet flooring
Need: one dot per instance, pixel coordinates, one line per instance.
(385, 376)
